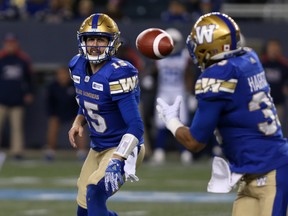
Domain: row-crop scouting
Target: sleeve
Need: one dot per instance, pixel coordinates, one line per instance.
(129, 109)
(206, 119)
(80, 111)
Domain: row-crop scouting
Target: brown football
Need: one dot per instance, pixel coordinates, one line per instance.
(154, 43)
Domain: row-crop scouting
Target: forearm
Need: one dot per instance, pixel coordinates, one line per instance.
(135, 128)
(184, 136)
(79, 120)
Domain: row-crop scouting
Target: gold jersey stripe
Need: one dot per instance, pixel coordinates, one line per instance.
(115, 88)
(215, 85)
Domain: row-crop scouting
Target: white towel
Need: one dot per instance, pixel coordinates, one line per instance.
(130, 166)
(222, 180)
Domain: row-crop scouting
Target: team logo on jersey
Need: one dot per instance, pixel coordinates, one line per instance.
(76, 79)
(87, 78)
(97, 86)
(215, 85)
(261, 181)
(123, 85)
(205, 32)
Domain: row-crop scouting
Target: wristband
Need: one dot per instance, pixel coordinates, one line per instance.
(126, 145)
(173, 124)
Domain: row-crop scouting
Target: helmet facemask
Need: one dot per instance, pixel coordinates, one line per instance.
(110, 49)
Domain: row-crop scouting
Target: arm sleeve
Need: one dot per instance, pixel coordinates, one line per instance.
(206, 119)
(80, 111)
(131, 115)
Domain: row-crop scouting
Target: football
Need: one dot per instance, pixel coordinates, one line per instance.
(154, 43)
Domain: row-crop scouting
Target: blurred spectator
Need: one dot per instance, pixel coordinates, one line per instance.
(84, 8)
(174, 78)
(276, 68)
(249, 1)
(58, 11)
(199, 7)
(114, 9)
(176, 12)
(2, 159)
(15, 91)
(33, 7)
(8, 11)
(62, 109)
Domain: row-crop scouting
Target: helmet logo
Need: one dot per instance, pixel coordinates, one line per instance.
(205, 32)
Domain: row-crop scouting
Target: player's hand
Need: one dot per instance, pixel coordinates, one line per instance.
(170, 114)
(166, 112)
(114, 175)
(76, 130)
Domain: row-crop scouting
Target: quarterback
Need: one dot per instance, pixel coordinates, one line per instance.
(108, 93)
(234, 103)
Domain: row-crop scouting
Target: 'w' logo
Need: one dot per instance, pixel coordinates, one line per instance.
(261, 181)
(129, 83)
(205, 32)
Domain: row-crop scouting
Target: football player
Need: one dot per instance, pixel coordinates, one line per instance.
(107, 92)
(234, 98)
(174, 78)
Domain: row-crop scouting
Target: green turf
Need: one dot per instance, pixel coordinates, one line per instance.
(67, 208)
(63, 173)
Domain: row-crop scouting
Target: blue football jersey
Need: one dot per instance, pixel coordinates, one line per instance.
(98, 96)
(234, 98)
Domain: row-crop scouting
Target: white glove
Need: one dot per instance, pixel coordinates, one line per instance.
(170, 114)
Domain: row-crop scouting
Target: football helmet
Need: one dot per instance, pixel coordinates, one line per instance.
(99, 25)
(215, 36)
(177, 39)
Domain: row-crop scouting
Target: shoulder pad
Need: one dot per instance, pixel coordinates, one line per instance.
(122, 69)
(74, 60)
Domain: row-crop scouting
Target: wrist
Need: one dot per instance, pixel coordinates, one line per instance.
(126, 146)
(76, 124)
(173, 124)
(117, 157)
(119, 162)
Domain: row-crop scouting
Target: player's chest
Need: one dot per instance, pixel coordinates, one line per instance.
(91, 88)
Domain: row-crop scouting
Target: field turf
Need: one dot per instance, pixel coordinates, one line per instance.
(36, 187)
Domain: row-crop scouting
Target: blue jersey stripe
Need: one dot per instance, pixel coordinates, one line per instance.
(232, 30)
(95, 21)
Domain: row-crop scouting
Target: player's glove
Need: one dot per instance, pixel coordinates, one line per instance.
(170, 114)
(114, 175)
